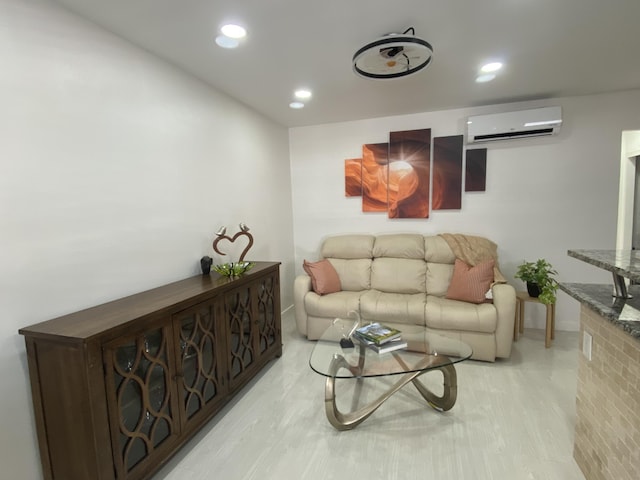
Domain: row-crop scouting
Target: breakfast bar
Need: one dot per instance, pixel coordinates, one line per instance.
(607, 434)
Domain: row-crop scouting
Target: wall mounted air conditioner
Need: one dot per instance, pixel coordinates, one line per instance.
(524, 123)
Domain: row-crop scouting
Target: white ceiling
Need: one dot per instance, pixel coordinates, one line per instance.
(550, 48)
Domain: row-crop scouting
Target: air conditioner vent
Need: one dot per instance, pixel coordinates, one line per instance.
(523, 133)
(510, 125)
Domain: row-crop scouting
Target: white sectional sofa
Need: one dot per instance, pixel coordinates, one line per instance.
(402, 279)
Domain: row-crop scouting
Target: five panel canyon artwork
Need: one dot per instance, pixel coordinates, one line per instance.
(397, 177)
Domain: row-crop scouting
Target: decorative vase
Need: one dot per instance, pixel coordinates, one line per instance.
(533, 289)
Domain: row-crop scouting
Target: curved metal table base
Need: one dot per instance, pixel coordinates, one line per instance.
(347, 421)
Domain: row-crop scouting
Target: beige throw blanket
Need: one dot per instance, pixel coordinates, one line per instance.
(473, 250)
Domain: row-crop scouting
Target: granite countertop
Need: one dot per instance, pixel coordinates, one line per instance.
(625, 263)
(623, 313)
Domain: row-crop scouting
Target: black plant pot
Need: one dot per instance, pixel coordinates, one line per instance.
(533, 289)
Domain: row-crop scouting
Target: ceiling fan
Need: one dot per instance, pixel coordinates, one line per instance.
(392, 56)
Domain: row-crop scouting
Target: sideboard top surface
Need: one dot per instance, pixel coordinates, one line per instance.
(86, 324)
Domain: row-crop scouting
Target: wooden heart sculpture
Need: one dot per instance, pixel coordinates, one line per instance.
(231, 240)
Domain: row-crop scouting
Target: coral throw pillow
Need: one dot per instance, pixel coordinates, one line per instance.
(324, 277)
(470, 284)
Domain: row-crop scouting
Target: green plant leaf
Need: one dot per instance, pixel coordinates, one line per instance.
(541, 273)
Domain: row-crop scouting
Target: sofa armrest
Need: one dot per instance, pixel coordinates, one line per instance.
(301, 286)
(504, 299)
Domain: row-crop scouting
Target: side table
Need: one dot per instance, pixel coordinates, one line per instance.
(518, 325)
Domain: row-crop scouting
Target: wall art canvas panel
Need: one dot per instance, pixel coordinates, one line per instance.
(476, 170)
(353, 177)
(447, 173)
(375, 159)
(409, 168)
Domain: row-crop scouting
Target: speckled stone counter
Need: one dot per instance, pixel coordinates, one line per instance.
(623, 313)
(623, 262)
(607, 436)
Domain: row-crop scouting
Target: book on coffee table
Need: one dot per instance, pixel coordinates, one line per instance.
(390, 346)
(377, 333)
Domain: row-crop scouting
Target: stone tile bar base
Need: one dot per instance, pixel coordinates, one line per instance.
(607, 436)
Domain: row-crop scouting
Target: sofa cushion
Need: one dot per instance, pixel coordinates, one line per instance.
(438, 278)
(355, 275)
(437, 250)
(348, 246)
(399, 246)
(398, 275)
(324, 278)
(442, 313)
(337, 304)
(393, 307)
(470, 284)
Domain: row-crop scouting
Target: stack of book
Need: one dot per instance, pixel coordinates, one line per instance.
(380, 338)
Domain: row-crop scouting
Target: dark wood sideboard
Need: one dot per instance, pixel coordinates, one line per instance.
(119, 388)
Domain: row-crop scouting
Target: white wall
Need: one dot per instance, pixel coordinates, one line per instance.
(543, 195)
(116, 169)
(629, 151)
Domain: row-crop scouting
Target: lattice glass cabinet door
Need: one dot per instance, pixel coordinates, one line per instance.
(267, 293)
(240, 317)
(142, 401)
(201, 382)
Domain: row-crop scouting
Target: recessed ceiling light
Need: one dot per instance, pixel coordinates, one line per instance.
(233, 31)
(491, 67)
(485, 78)
(226, 42)
(302, 94)
(296, 105)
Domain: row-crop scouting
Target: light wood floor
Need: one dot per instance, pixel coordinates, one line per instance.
(513, 420)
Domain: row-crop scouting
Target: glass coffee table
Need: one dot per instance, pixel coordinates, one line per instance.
(425, 352)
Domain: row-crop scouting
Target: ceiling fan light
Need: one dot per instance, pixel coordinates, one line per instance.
(392, 56)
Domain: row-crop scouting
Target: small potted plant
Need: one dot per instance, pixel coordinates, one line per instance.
(538, 276)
